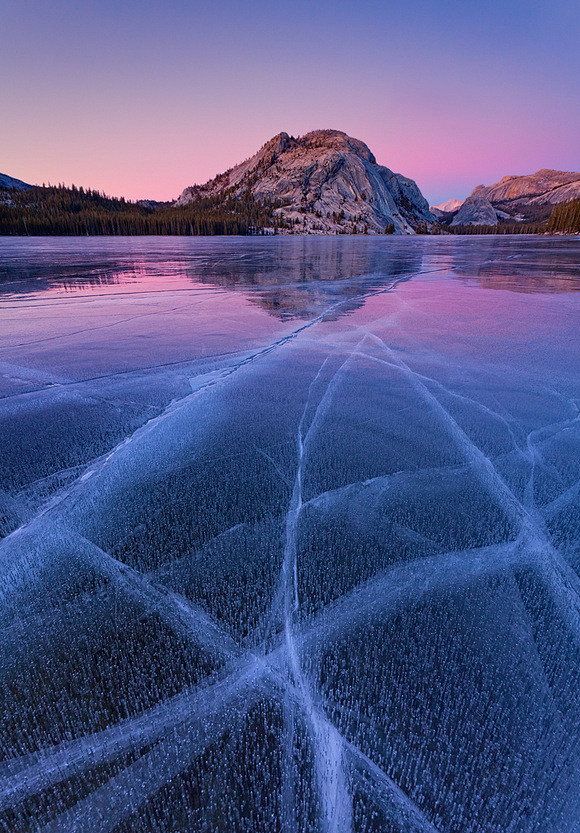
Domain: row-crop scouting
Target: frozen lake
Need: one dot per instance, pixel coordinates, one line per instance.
(290, 535)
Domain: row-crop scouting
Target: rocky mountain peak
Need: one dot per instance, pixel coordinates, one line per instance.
(446, 207)
(475, 211)
(323, 182)
(336, 140)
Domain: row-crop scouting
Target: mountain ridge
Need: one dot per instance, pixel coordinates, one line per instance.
(515, 197)
(546, 186)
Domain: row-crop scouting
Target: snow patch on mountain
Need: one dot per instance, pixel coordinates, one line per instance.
(445, 207)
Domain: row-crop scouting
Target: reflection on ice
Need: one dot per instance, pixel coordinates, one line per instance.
(297, 551)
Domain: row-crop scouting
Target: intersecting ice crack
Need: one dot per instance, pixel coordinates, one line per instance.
(393, 588)
(130, 578)
(21, 778)
(481, 464)
(417, 577)
(213, 380)
(561, 502)
(533, 440)
(397, 586)
(275, 465)
(533, 534)
(178, 612)
(328, 744)
(209, 717)
(182, 727)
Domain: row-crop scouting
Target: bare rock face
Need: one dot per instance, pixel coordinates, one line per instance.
(475, 211)
(544, 187)
(17, 184)
(324, 182)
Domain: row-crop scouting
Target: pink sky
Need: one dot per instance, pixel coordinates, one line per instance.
(143, 99)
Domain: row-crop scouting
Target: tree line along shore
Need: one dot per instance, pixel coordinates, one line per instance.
(58, 210)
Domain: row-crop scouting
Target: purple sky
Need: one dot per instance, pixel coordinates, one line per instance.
(141, 98)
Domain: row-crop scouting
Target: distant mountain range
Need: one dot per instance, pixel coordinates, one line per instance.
(512, 198)
(325, 182)
(544, 187)
(444, 207)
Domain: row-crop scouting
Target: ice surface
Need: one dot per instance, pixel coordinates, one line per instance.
(290, 535)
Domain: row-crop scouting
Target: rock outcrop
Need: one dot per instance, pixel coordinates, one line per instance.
(323, 182)
(475, 211)
(543, 187)
(512, 198)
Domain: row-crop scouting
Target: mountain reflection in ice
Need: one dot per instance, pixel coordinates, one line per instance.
(290, 536)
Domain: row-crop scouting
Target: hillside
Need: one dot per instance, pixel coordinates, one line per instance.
(325, 181)
(475, 211)
(76, 211)
(545, 187)
(11, 183)
(565, 218)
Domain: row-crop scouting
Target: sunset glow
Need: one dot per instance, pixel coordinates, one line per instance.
(142, 99)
